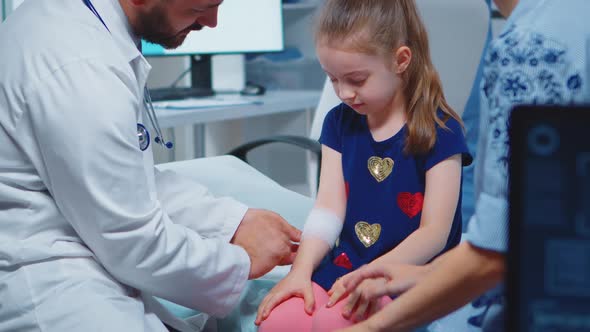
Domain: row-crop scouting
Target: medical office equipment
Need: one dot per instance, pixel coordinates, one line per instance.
(548, 288)
(217, 56)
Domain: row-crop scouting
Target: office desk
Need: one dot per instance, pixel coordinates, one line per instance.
(273, 102)
(190, 143)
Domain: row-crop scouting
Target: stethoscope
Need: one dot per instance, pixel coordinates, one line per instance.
(142, 132)
(149, 106)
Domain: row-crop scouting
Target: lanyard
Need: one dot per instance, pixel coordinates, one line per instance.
(93, 10)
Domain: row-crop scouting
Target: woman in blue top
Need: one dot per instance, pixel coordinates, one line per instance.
(392, 154)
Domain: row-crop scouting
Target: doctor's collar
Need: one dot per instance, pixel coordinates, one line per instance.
(120, 28)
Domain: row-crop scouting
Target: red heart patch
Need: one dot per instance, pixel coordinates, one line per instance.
(410, 204)
(343, 261)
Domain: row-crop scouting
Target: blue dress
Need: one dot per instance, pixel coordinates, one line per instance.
(385, 189)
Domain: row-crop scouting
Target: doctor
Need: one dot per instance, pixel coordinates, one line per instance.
(88, 229)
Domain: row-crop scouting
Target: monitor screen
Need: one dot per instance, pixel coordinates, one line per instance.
(549, 245)
(243, 27)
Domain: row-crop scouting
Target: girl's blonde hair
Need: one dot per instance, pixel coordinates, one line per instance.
(381, 27)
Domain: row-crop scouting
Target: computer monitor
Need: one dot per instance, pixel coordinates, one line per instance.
(243, 27)
(548, 279)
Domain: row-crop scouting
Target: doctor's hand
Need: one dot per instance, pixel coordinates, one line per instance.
(268, 239)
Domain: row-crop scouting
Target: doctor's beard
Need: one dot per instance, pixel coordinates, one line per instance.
(154, 27)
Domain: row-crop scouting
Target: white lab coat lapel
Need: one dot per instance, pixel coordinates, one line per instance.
(129, 44)
(142, 68)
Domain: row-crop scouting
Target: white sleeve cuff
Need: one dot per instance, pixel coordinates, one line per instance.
(488, 228)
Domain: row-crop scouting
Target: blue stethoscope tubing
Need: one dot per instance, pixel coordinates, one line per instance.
(154, 120)
(146, 93)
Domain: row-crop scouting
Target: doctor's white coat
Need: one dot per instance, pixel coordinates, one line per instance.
(85, 220)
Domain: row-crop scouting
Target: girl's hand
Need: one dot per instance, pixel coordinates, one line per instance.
(293, 285)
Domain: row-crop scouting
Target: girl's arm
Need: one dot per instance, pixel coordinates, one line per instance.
(443, 182)
(332, 200)
(332, 197)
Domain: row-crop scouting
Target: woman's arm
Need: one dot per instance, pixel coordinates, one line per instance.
(454, 279)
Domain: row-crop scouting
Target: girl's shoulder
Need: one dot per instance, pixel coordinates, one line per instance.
(450, 140)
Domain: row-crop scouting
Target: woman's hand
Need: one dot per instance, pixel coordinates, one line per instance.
(399, 277)
(360, 302)
(365, 300)
(358, 307)
(293, 285)
(391, 280)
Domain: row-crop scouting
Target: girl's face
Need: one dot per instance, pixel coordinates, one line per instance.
(367, 83)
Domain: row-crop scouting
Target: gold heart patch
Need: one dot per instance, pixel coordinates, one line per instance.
(367, 234)
(380, 168)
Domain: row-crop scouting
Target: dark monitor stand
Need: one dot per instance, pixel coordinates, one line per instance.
(201, 85)
(201, 73)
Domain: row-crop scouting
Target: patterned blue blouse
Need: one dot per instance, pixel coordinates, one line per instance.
(385, 189)
(539, 58)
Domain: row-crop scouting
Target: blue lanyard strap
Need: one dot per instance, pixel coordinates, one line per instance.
(93, 10)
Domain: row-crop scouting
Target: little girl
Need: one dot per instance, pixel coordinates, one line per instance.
(392, 154)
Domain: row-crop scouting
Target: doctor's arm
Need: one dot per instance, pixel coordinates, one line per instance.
(266, 236)
(84, 127)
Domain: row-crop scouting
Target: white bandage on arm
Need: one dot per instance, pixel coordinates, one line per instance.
(324, 225)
